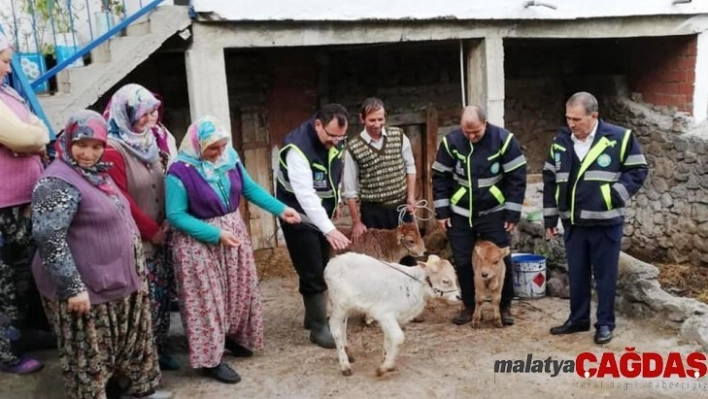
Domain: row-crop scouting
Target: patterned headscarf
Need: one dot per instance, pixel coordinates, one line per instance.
(127, 106)
(86, 124)
(200, 135)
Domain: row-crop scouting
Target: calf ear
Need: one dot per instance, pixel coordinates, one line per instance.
(422, 264)
(506, 251)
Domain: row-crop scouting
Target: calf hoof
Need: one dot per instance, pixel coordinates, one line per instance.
(381, 371)
(498, 323)
(475, 323)
(349, 355)
(347, 372)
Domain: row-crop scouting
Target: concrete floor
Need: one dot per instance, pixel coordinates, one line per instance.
(438, 359)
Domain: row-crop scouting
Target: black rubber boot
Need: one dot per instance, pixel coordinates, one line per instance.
(464, 317)
(316, 310)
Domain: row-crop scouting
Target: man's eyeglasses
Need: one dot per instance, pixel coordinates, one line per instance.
(334, 137)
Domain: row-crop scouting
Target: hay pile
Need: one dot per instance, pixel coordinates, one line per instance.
(685, 280)
(273, 262)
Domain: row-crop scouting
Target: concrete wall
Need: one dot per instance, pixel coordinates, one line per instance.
(320, 10)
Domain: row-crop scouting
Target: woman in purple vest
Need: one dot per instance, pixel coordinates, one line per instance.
(23, 138)
(90, 268)
(216, 272)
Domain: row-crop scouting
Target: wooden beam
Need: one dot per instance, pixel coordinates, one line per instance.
(431, 148)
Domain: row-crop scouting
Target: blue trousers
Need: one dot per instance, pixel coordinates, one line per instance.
(593, 251)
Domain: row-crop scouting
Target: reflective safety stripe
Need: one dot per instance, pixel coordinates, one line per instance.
(493, 156)
(590, 158)
(562, 177)
(441, 168)
(506, 143)
(622, 191)
(286, 185)
(495, 209)
(625, 141)
(550, 212)
(512, 206)
(637, 159)
(558, 189)
(599, 175)
(497, 194)
(605, 189)
(447, 147)
(458, 195)
(320, 167)
(613, 213)
(460, 211)
(549, 166)
(557, 147)
(565, 215)
(514, 163)
(490, 181)
(441, 203)
(461, 181)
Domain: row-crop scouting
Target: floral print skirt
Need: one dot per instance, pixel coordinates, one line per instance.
(113, 339)
(218, 293)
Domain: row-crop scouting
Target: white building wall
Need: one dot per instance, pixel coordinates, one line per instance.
(322, 10)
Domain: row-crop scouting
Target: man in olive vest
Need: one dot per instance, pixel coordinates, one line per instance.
(308, 180)
(379, 171)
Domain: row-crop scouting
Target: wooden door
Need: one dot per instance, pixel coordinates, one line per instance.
(255, 151)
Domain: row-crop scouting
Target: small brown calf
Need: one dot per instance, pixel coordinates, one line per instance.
(387, 245)
(489, 272)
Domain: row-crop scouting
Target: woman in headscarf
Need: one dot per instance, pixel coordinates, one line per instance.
(23, 138)
(216, 273)
(139, 173)
(90, 268)
(163, 137)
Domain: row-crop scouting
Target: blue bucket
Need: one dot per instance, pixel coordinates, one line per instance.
(529, 275)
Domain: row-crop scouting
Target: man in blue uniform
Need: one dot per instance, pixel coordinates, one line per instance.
(479, 182)
(593, 168)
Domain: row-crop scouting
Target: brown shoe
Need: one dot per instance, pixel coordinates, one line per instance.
(464, 317)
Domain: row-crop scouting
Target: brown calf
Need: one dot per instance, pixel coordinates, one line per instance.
(387, 245)
(489, 272)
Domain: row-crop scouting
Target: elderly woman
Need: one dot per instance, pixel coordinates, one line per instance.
(216, 272)
(139, 172)
(90, 269)
(23, 138)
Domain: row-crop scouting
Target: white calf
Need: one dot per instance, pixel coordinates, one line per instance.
(390, 293)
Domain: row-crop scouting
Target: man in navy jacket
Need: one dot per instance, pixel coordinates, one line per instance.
(593, 168)
(479, 182)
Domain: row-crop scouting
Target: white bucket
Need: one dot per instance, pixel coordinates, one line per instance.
(529, 275)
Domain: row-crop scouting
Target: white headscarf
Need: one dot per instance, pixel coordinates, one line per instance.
(5, 43)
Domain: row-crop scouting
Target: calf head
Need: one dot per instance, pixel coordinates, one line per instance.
(488, 259)
(408, 236)
(441, 277)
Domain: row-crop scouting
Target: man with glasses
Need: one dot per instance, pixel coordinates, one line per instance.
(308, 180)
(379, 171)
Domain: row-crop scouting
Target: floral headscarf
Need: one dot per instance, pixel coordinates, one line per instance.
(86, 124)
(200, 135)
(130, 103)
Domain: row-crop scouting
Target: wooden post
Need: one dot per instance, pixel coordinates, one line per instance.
(431, 148)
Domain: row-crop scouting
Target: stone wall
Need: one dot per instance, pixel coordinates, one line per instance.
(668, 218)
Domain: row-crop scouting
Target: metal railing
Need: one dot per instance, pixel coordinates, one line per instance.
(66, 29)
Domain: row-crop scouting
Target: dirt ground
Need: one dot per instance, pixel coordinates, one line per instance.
(438, 359)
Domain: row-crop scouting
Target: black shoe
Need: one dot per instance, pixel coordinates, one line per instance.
(507, 318)
(569, 328)
(603, 335)
(222, 372)
(464, 317)
(237, 350)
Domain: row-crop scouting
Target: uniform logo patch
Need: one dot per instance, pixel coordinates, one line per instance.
(495, 167)
(319, 180)
(604, 160)
(459, 169)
